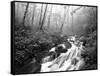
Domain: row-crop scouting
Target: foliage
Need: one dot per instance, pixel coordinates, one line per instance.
(33, 45)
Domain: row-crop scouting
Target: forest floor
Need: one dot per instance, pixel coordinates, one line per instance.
(31, 48)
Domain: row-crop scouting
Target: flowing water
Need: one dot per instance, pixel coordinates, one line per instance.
(71, 60)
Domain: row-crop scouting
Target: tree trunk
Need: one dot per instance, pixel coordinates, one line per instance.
(72, 25)
(26, 10)
(41, 15)
(33, 14)
(56, 25)
(43, 20)
(57, 21)
(63, 19)
(49, 17)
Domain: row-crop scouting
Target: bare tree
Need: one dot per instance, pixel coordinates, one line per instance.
(43, 20)
(72, 20)
(68, 15)
(41, 14)
(56, 24)
(26, 10)
(49, 17)
(57, 21)
(34, 8)
(63, 19)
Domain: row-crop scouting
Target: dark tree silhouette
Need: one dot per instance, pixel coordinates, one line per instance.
(34, 8)
(43, 20)
(41, 14)
(26, 10)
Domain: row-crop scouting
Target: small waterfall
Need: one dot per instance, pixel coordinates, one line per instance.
(71, 60)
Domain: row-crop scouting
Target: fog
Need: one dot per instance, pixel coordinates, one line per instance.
(74, 18)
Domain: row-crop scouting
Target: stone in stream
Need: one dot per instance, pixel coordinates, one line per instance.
(56, 51)
(74, 61)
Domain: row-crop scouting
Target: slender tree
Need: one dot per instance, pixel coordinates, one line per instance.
(63, 19)
(49, 17)
(41, 14)
(57, 21)
(56, 24)
(72, 20)
(26, 10)
(43, 20)
(68, 15)
(34, 7)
